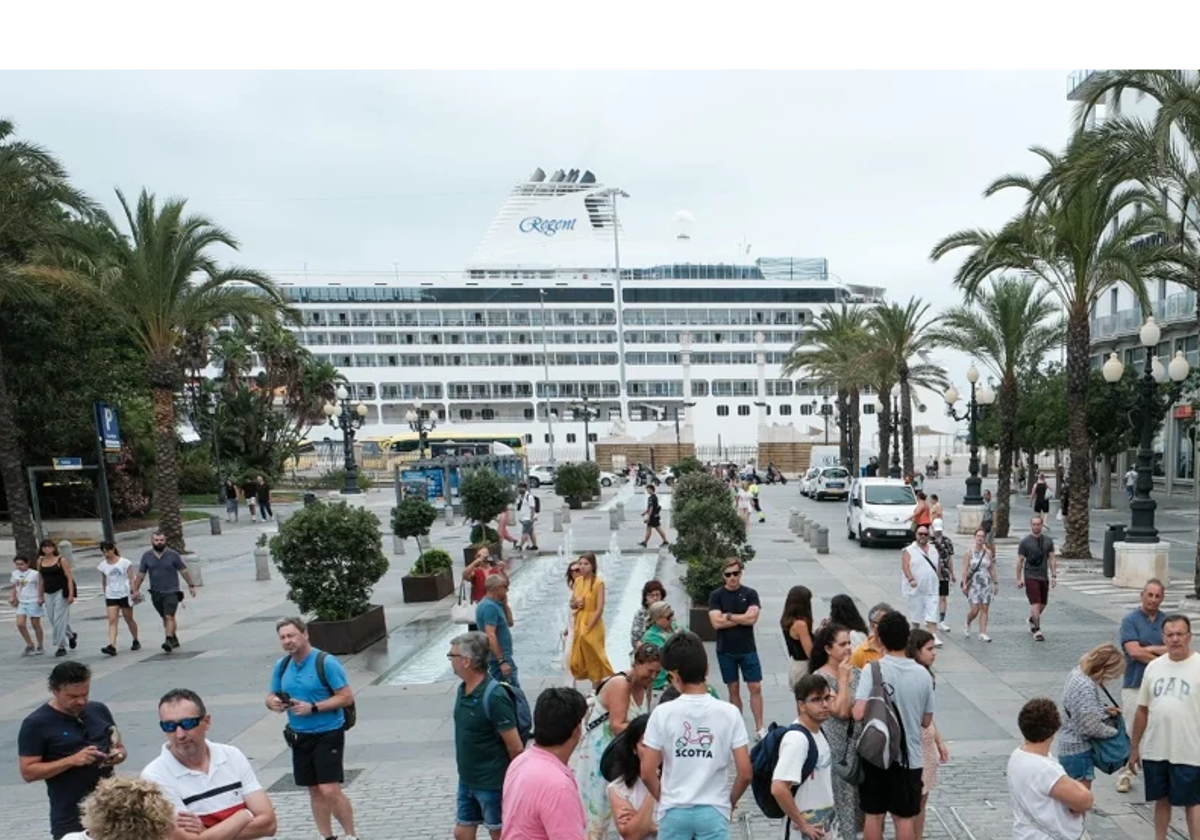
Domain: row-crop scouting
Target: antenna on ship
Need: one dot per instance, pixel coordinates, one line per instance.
(684, 222)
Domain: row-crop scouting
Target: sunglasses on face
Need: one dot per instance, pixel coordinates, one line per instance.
(187, 724)
(733, 574)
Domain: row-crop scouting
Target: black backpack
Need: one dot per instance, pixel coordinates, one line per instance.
(349, 712)
(763, 759)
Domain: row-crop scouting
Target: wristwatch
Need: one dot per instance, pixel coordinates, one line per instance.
(314, 708)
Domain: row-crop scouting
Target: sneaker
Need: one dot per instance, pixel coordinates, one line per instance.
(984, 637)
(109, 650)
(1124, 782)
(29, 651)
(642, 544)
(945, 628)
(73, 641)
(665, 545)
(967, 632)
(174, 640)
(534, 548)
(166, 646)
(39, 652)
(1037, 635)
(60, 652)
(136, 645)
(937, 642)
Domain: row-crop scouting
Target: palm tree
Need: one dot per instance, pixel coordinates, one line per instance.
(904, 333)
(35, 202)
(161, 283)
(1084, 229)
(1009, 327)
(830, 353)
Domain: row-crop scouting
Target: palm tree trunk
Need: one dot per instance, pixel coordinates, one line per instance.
(14, 480)
(854, 443)
(166, 466)
(1077, 544)
(1008, 444)
(906, 426)
(843, 426)
(885, 436)
(1105, 481)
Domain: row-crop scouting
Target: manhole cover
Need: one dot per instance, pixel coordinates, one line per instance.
(286, 785)
(179, 654)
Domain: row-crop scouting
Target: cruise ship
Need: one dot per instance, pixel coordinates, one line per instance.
(560, 311)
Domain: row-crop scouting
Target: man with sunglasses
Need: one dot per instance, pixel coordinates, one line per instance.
(212, 786)
(733, 610)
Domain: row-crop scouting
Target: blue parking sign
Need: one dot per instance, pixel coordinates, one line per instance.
(106, 425)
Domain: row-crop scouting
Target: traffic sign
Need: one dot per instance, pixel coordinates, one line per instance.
(68, 463)
(107, 428)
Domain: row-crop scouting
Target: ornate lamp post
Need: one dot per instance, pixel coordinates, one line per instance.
(981, 397)
(586, 412)
(880, 406)
(342, 416)
(824, 411)
(421, 422)
(1149, 411)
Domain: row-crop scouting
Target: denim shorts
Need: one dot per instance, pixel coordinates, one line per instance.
(697, 822)
(31, 608)
(747, 663)
(1078, 765)
(477, 806)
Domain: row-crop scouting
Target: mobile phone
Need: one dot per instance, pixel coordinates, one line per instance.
(284, 697)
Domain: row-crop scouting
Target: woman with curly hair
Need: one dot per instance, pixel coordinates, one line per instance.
(125, 808)
(652, 593)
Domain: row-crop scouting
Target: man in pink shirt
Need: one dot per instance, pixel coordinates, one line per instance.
(541, 799)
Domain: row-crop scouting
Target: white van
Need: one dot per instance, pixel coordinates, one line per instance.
(879, 510)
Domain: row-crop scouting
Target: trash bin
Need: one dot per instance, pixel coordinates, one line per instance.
(310, 498)
(862, 471)
(1114, 535)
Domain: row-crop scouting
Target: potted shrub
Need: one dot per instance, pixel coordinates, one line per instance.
(331, 557)
(485, 495)
(708, 531)
(591, 474)
(946, 462)
(431, 577)
(571, 482)
(413, 517)
(687, 466)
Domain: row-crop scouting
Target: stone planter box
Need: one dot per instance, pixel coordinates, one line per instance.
(699, 623)
(350, 636)
(424, 588)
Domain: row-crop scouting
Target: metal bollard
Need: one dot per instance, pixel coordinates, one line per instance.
(262, 568)
(822, 540)
(558, 521)
(614, 519)
(214, 524)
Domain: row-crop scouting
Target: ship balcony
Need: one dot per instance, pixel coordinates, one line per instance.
(1075, 82)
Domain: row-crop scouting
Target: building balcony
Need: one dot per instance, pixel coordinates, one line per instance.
(1175, 309)
(1075, 82)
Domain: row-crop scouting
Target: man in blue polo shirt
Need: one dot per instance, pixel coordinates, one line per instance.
(1141, 637)
(316, 724)
(495, 620)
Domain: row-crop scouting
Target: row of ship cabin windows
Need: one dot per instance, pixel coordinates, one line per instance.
(594, 390)
(558, 317)
(436, 360)
(321, 339)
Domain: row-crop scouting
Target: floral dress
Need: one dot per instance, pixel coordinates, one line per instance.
(980, 589)
(836, 732)
(593, 787)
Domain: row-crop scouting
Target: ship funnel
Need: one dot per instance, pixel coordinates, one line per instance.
(538, 175)
(588, 178)
(684, 222)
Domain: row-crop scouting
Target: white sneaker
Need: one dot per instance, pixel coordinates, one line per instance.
(937, 642)
(984, 637)
(945, 628)
(967, 632)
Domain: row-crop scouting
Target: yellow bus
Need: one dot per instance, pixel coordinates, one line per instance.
(404, 446)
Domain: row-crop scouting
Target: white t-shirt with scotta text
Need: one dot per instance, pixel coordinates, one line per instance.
(816, 792)
(697, 735)
(1171, 693)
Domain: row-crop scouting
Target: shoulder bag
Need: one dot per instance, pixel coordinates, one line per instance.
(463, 612)
(1112, 753)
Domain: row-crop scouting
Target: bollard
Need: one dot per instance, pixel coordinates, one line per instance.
(195, 568)
(810, 532)
(262, 569)
(214, 524)
(67, 550)
(614, 520)
(620, 506)
(397, 546)
(801, 524)
(822, 540)
(793, 520)
(566, 514)
(449, 514)
(558, 521)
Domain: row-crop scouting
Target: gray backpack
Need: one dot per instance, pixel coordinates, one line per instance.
(882, 742)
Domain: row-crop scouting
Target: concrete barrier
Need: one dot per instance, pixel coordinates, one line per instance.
(262, 564)
(566, 514)
(214, 524)
(614, 519)
(620, 506)
(397, 547)
(558, 521)
(821, 543)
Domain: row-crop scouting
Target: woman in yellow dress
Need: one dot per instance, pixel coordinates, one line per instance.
(588, 659)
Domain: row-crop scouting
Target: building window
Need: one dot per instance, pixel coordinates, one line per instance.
(868, 408)
(593, 437)
(487, 414)
(743, 411)
(570, 437)
(722, 411)
(785, 410)
(806, 409)
(464, 414)
(528, 413)
(529, 438)
(546, 438)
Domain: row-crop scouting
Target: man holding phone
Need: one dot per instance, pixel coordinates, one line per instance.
(71, 743)
(312, 687)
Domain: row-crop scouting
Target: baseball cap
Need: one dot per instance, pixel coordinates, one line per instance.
(937, 525)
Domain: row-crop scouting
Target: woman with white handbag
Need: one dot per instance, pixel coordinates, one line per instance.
(471, 590)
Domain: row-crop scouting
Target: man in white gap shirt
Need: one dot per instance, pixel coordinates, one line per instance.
(693, 739)
(807, 803)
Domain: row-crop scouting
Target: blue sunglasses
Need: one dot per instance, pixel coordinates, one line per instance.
(187, 724)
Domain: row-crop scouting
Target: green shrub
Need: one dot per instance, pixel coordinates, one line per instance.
(483, 535)
(413, 518)
(571, 482)
(331, 557)
(687, 466)
(196, 472)
(334, 480)
(485, 495)
(708, 531)
(591, 473)
(432, 562)
(700, 485)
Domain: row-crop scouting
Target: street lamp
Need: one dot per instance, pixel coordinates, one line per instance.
(1142, 507)
(422, 422)
(342, 416)
(981, 397)
(825, 412)
(585, 411)
(214, 414)
(880, 406)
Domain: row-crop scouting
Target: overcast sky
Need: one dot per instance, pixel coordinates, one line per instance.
(362, 171)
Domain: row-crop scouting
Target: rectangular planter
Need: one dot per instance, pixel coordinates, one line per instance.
(699, 623)
(350, 636)
(427, 587)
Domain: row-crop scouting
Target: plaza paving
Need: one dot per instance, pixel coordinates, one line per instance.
(401, 754)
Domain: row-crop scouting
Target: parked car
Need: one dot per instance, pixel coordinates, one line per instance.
(539, 475)
(879, 510)
(608, 479)
(807, 480)
(831, 482)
